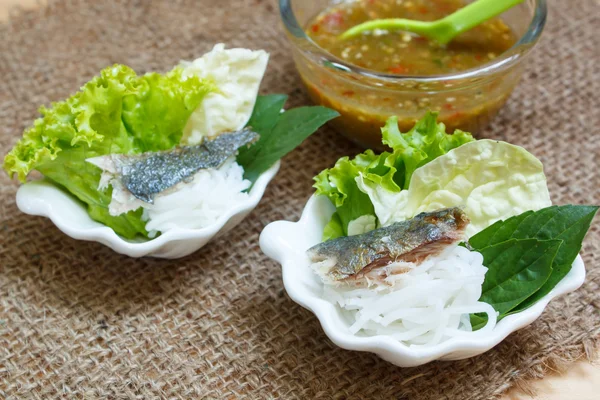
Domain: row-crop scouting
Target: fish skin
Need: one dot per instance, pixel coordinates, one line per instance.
(148, 174)
(412, 240)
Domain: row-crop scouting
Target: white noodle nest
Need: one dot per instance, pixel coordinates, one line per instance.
(424, 306)
(200, 202)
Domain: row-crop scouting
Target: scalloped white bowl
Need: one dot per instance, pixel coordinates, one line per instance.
(69, 215)
(287, 242)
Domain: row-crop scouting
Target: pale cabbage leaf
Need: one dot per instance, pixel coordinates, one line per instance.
(490, 180)
(237, 73)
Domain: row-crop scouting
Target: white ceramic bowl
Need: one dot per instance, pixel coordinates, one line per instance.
(69, 215)
(287, 242)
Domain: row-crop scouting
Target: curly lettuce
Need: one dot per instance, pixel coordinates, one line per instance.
(390, 171)
(425, 142)
(116, 112)
(339, 185)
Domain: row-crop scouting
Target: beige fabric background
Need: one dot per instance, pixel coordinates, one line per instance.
(80, 321)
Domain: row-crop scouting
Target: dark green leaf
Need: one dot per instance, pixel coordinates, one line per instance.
(573, 223)
(498, 232)
(516, 270)
(478, 321)
(568, 223)
(291, 129)
(264, 117)
(266, 112)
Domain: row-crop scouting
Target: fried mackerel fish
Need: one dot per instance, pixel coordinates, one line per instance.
(143, 176)
(380, 253)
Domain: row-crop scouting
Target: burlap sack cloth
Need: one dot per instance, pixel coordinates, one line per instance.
(79, 321)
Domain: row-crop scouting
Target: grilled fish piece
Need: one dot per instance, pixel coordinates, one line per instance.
(354, 258)
(142, 176)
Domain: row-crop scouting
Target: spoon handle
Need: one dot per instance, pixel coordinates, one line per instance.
(442, 30)
(475, 13)
(418, 27)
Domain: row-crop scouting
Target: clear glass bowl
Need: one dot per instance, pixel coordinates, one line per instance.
(376, 96)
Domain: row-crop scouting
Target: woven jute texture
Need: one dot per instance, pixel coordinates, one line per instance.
(79, 321)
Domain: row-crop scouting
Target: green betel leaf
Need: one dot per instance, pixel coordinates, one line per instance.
(498, 232)
(568, 223)
(264, 117)
(290, 130)
(478, 321)
(516, 270)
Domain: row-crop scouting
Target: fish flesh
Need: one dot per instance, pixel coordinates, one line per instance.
(366, 256)
(412, 241)
(136, 179)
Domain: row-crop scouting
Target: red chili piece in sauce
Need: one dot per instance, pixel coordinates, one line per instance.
(399, 69)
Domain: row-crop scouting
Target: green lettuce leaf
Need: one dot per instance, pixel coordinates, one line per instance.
(426, 141)
(356, 187)
(116, 112)
(334, 228)
(159, 109)
(339, 185)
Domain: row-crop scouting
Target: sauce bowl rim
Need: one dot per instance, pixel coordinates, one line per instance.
(505, 61)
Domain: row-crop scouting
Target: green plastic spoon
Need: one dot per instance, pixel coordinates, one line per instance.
(443, 30)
